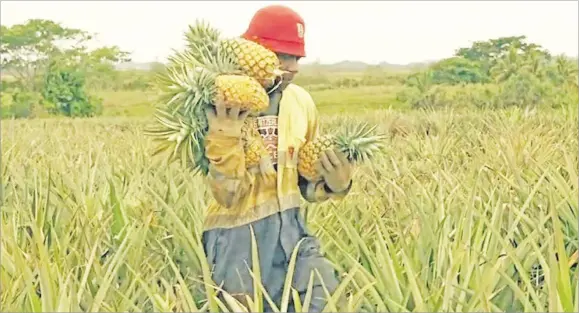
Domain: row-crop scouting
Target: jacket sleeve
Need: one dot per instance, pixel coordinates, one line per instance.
(228, 179)
(317, 191)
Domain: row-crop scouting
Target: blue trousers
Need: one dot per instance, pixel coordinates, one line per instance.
(229, 253)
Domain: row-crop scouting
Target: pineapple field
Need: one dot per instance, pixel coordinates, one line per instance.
(466, 211)
(471, 206)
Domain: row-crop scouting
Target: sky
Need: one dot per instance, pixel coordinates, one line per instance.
(373, 31)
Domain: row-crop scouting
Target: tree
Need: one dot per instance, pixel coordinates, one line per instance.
(99, 65)
(489, 53)
(64, 93)
(421, 91)
(31, 52)
(27, 48)
(494, 49)
(506, 66)
(457, 70)
(564, 71)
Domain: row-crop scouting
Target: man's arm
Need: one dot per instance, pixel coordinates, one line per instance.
(319, 191)
(228, 178)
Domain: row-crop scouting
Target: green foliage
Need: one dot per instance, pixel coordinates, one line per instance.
(421, 92)
(523, 90)
(491, 60)
(20, 103)
(503, 72)
(64, 92)
(562, 71)
(471, 211)
(30, 49)
(99, 65)
(458, 70)
(27, 48)
(495, 73)
(488, 52)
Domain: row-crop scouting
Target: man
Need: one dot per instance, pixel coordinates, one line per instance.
(266, 199)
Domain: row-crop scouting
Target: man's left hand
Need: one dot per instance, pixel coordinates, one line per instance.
(335, 169)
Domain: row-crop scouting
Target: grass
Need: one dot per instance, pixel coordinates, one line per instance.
(470, 211)
(365, 98)
(335, 100)
(127, 103)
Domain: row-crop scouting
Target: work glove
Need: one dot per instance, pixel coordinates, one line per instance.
(335, 169)
(225, 123)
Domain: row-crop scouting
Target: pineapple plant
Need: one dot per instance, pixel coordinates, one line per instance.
(356, 141)
(205, 74)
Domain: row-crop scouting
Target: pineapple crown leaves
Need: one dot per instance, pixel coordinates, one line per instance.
(173, 127)
(201, 33)
(187, 88)
(205, 49)
(202, 40)
(180, 136)
(360, 142)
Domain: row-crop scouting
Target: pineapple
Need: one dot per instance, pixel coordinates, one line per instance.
(212, 71)
(179, 133)
(240, 91)
(196, 79)
(252, 143)
(184, 121)
(357, 143)
(194, 89)
(248, 57)
(254, 60)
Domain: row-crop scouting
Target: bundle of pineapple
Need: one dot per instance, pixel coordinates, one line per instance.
(359, 142)
(232, 71)
(238, 73)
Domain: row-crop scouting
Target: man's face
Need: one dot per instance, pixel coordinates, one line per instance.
(290, 64)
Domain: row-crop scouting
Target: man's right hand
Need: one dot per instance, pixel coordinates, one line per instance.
(226, 123)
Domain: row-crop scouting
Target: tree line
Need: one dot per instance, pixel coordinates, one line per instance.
(48, 66)
(501, 72)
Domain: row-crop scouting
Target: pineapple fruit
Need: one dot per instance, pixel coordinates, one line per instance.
(254, 60)
(240, 91)
(253, 145)
(197, 88)
(232, 72)
(357, 143)
(247, 57)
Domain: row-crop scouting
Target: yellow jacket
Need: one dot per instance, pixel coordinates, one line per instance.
(242, 196)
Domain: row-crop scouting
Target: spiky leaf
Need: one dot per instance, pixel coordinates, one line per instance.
(188, 88)
(202, 38)
(359, 142)
(181, 138)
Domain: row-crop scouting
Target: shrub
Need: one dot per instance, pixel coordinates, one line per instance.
(19, 103)
(64, 93)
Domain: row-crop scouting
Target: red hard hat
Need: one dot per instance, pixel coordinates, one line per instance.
(279, 29)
